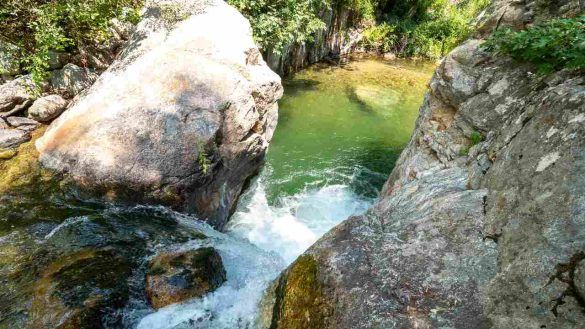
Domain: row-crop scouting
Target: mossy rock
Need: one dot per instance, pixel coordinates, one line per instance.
(299, 299)
(177, 276)
(78, 289)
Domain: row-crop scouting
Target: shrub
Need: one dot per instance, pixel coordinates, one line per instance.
(426, 28)
(556, 44)
(39, 26)
(278, 23)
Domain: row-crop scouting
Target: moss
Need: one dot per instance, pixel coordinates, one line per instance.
(6, 154)
(300, 302)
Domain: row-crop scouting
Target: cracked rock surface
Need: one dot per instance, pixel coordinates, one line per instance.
(484, 234)
(182, 118)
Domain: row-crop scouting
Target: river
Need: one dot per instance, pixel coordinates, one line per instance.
(340, 131)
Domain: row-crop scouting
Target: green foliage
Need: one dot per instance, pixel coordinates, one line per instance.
(278, 23)
(202, 158)
(423, 28)
(475, 138)
(553, 45)
(41, 26)
(379, 37)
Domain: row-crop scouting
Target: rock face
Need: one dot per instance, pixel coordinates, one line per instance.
(338, 39)
(175, 277)
(72, 79)
(182, 118)
(481, 223)
(47, 108)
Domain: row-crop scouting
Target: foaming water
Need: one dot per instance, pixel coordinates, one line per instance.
(234, 304)
(292, 225)
(260, 241)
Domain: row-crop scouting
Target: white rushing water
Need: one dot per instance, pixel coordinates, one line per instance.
(260, 241)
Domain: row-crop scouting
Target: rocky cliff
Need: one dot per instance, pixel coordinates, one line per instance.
(338, 39)
(183, 117)
(481, 223)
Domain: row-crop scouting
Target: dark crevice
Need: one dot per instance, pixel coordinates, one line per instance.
(565, 272)
(494, 237)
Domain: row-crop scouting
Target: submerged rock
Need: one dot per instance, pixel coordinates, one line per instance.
(177, 276)
(183, 118)
(47, 108)
(492, 237)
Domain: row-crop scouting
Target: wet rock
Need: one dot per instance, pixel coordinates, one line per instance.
(6, 154)
(75, 290)
(15, 92)
(299, 298)
(11, 138)
(72, 79)
(190, 137)
(47, 108)
(176, 277)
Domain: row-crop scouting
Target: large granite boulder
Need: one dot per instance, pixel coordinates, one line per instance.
(481, 223)
(182, 118)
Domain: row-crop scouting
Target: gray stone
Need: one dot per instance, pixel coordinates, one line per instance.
(47, 108)
(58, 59)
(11, 138)
(15, 92)
(579, 278)
(158, 128)
(21, 121)
(72, 79)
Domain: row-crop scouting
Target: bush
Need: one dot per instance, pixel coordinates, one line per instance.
(426, 28)
(39, 26)
(556, 44)
(278, 23)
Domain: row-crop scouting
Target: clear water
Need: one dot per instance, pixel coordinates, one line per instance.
(340, 131)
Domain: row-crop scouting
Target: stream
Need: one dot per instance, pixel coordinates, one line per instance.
(340, 131)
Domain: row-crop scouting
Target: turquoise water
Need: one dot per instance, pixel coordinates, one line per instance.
(344, 125)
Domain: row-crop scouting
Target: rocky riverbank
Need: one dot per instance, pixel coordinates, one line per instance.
(481, 222)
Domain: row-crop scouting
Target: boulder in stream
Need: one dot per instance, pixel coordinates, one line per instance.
(177, 276)
(47, 108)
(183, 118)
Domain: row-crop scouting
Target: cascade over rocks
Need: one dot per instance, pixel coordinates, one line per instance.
(183, 117)
(484, 235)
